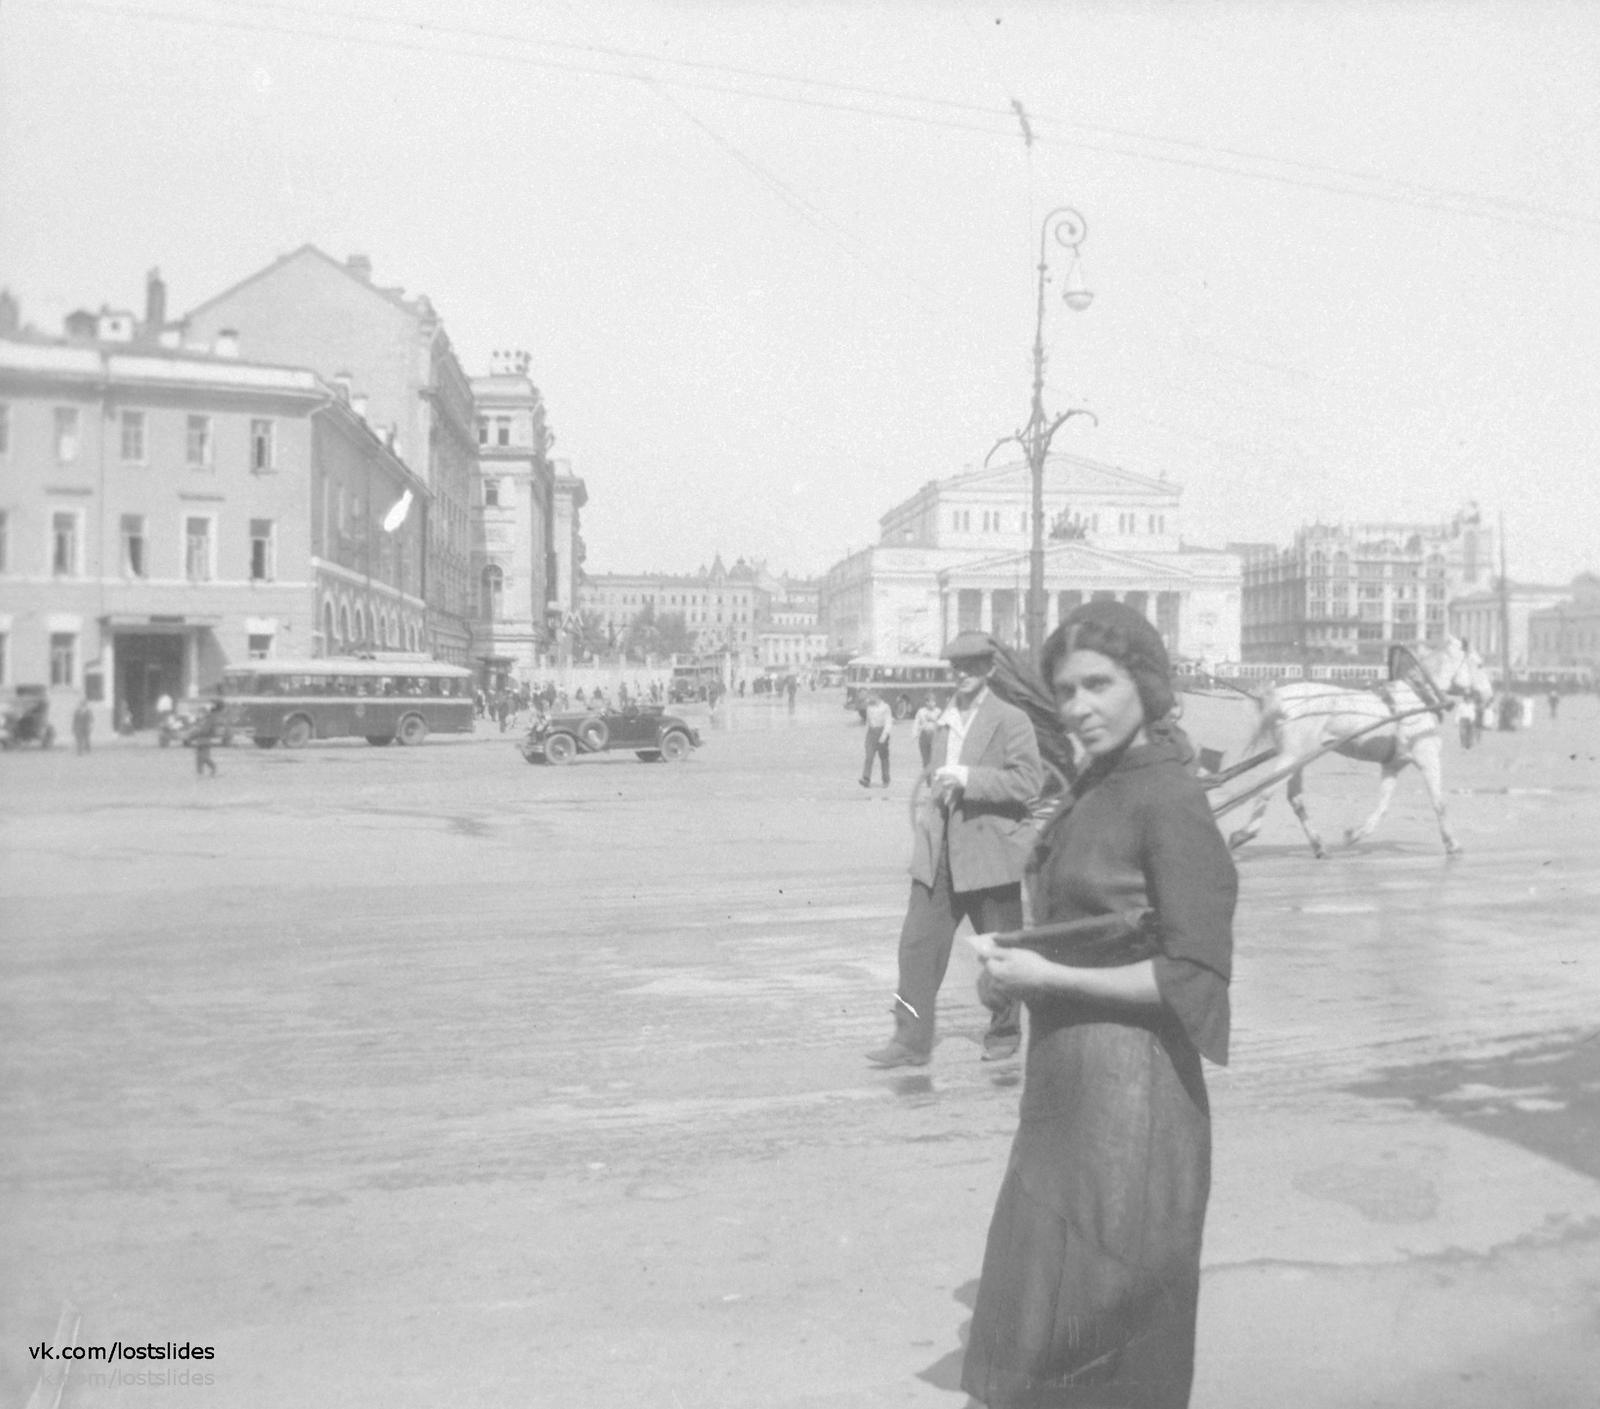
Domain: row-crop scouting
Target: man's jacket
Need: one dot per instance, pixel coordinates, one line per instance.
(988, 823)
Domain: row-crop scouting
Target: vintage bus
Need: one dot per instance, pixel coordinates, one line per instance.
(295, 701)
(904, 681)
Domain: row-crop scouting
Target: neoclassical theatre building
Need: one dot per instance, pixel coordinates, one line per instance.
(954, 557)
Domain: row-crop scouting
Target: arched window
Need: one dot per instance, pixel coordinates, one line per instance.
(327, 628)
(344, 625)
(360, 638)
(494, 583)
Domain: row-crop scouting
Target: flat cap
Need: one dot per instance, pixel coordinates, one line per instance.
(971, 645)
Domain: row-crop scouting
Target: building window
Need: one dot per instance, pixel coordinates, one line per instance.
(493, 592)
(491, 493)
(483, 431)
(260, 647)
(261, 554)
(5, 542)
(5, 429)
(197, 549)
(63, 658)
(134, 561)
(197, 442)
(261, 447)
(64, 545)
(133, 437)
(66, 433)
(502, 430)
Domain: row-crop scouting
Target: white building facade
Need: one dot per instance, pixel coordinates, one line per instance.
(955, 557)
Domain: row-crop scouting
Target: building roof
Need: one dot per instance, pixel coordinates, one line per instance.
(418, 307)
(169, 366)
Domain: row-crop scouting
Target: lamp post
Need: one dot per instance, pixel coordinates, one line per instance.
(1067, 228)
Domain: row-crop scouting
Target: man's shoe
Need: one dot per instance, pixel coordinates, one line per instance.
(997, 1049)
(865, 782)
(897, 1054)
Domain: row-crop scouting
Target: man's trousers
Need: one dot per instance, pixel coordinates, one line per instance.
(932, 918)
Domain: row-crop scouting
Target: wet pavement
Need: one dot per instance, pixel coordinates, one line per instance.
(405, 1075)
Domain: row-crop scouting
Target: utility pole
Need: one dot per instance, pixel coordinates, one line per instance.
(1068, 229)
(1505, 611)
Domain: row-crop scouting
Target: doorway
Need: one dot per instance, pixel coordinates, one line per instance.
(149, 665)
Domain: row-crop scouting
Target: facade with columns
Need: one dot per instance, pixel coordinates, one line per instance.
(955, 557)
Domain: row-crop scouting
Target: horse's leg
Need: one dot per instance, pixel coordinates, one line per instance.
(1247, 833)
(1297, 782)
(1391, 775)
(1427, 753)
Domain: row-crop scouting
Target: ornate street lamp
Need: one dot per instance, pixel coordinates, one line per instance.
(1067, 228)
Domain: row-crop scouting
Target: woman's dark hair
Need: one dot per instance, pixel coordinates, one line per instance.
(1120, 634)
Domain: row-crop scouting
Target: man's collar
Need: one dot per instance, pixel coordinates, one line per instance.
(977, 700)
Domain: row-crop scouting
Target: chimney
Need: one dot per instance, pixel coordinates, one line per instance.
(155, 301)
(227, 343)
(358, 403)
(341, 384)
(360, 266)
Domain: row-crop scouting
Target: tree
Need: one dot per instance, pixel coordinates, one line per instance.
(651, 635)
(589, 636)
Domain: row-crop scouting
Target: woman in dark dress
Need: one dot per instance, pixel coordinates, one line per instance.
(1091, 1277)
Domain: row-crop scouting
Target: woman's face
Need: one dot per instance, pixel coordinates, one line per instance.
(1098, 701)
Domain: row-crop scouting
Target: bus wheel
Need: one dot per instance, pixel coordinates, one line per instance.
(265, 741)
(297, 732)
(675, 747)
(380, 740)
(413, 730)
(560, 748)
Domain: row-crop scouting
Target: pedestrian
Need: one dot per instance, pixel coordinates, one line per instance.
(502, 708)
(791, 688)
(925, 726)
(204, 736)
(1555, 704)
(82, 724)
(579, 697)
(163, 708)
(971, 843)
(1091, 1274)
(124, 718)
(880, 724)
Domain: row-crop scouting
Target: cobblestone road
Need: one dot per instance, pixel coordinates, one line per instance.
(407, 1075)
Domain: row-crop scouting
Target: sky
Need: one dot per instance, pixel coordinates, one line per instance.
(775, 265)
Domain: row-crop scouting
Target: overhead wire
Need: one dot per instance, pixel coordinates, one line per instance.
(996, 123)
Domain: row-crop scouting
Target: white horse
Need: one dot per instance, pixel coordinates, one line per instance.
(1392, 724)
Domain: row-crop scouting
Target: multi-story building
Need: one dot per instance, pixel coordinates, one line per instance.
(1568, 633)
(1350, 591)
(309, 310)
(164, 512)
(955, 556)
(513, 525)
(1481, 619)
(724, 609)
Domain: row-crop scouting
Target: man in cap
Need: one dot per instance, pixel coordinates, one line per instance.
(971, 844)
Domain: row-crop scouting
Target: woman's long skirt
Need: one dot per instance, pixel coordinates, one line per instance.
(1092, 1272)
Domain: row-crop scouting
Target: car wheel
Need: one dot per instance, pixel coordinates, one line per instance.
(649, 755)
(380, 740)
(595, 734)
(265, 741)
(561, 748)
(297, 732)
(675, 747)
(413, 730)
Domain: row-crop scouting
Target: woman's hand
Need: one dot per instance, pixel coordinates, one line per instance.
(1019, 970)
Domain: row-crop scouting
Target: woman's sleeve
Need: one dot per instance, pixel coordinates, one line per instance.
(1192, 885)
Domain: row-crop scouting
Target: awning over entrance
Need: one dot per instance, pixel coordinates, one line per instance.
(155, 625)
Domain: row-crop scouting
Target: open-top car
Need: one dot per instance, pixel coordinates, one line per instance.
(648, 731)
